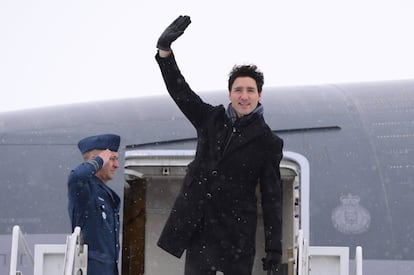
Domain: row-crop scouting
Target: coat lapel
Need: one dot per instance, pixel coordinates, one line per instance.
(244, 135)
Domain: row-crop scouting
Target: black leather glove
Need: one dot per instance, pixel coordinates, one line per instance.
(172, 32)
(271, 262)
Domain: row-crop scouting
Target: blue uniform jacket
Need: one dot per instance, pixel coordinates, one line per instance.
(95, 208)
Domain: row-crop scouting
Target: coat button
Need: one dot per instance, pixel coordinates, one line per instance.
(214, 172)
(208, 195)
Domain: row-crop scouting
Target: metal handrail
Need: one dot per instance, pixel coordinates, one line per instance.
(70, 251)
(17, 237)
(74, 248)
(358, 261)
(302, 254)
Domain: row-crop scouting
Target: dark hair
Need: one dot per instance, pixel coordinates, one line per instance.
(246, 71)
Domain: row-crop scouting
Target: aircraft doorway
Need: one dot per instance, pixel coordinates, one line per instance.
(153, 178)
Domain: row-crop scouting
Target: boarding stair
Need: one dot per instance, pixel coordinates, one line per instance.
(52, 259)
(325, 260)
(71, 258)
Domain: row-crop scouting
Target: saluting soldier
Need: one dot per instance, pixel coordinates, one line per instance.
(93, 205)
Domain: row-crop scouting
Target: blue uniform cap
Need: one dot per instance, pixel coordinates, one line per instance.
(100, 142)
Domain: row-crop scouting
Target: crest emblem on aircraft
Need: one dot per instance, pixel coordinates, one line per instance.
(350, 217)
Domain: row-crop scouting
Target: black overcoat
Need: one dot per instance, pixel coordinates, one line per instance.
(218, 194)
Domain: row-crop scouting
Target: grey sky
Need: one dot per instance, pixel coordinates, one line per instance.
(58, 52)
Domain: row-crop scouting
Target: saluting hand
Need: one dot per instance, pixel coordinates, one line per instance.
(172, 32)
(105, 155)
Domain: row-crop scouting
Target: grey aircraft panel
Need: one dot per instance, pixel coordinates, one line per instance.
(358, 139)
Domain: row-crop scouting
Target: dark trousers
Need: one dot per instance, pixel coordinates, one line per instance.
(207, 259)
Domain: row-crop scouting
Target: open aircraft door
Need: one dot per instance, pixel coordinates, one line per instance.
(153, 178)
